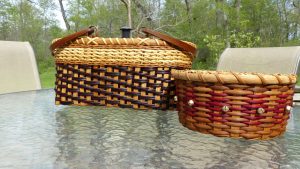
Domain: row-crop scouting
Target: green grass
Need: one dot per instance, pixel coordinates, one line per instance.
(47, 78)
(200, 65)
(47, 72)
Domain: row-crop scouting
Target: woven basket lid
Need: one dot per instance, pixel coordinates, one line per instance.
(233, 77)
(137, 52)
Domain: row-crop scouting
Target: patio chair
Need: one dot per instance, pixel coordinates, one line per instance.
(18, 69)
(265, 60)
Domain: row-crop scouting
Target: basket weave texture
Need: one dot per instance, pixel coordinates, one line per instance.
(136, 52)
(121, 72)
(238, 105)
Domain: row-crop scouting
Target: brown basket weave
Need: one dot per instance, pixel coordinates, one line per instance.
(122, 72)
(238, 105)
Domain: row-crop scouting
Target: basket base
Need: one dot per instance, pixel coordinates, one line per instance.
(249, 136)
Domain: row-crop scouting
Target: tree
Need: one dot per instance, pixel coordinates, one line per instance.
(275, 22)
(188, 12)
(127, 4)
(63, 12)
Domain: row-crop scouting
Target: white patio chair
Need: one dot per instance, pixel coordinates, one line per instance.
(18, 69)
(265, 60)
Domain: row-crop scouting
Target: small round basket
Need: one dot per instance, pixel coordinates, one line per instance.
(237, 105)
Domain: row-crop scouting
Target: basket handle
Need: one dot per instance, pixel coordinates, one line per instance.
(176, 42)
(59, 43)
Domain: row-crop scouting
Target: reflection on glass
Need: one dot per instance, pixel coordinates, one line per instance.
(37, 134)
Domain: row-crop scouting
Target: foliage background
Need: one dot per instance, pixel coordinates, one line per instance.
(212, 24)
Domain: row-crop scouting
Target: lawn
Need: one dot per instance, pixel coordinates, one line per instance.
(47, 72)
(47, 78)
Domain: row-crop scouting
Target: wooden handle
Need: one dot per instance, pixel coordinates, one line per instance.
(178, 43)
(61, 42)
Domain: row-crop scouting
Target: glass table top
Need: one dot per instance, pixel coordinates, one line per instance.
(35, 133)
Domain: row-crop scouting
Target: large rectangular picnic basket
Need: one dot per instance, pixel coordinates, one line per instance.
(122, 72)
(232, 104)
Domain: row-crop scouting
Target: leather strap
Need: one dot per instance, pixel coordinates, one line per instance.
(178, 43)
(61, 42)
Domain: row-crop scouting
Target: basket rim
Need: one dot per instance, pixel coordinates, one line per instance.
(86, 40)
(230, 77)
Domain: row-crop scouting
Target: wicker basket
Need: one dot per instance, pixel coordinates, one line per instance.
(238, 105)
(122, 72)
